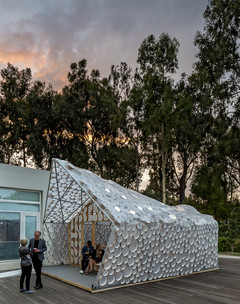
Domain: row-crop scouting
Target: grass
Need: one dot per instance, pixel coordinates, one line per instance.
(230, 253)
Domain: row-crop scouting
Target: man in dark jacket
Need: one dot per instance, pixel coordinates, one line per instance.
(87, 251)
(37, 247)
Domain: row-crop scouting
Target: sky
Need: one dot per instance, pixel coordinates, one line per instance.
(48, 35)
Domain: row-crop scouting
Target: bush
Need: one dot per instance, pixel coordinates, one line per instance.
(224, 244)
(236, 246)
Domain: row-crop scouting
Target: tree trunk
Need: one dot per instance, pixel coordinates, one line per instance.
(137, 169)
(164, 160)
(24, 157)
(8, 156)
(182, 189)
(182, 186)
(164, 176)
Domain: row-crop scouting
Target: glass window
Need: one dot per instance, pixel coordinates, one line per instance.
(19, 195)
(9, 235)
(16, 220)
(19, 207)
(30, 226)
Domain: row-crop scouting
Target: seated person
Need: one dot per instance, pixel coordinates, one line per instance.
(96, 257)
(87, 251)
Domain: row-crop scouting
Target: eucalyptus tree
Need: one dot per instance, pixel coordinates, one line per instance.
(122, 80)
(218, 51)
(73, 102)
(157, 59)
(190, 129)
(94, 118)
(218, 72)
(232, 154)
(100, 117)
(49, 133)
(14, 87)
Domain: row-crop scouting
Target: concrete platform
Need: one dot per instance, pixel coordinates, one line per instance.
(70, 274)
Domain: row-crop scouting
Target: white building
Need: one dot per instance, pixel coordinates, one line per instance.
(22, 202)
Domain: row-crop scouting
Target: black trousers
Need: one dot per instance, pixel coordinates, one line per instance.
(26, 273)
(38, 269)
(85, 261)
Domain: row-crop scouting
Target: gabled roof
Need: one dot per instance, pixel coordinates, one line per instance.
(70, 188)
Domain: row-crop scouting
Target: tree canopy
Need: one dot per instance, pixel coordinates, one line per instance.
(185, 134)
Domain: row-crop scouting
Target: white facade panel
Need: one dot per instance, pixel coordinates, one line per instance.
(23, 179)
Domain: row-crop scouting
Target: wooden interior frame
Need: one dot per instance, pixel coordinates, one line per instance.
(81, 218)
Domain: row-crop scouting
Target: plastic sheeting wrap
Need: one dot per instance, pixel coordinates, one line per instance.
(149, 240)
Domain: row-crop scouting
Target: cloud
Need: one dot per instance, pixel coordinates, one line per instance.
(48, 36)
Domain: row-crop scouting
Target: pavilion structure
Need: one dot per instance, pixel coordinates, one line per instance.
(144, 239)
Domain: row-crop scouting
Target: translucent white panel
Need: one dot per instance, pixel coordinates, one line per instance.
(149, 240)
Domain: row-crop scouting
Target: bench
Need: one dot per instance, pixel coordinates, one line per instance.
(96, 266)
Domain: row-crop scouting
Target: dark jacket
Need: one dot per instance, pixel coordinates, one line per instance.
(86, 249)
(41, 246)
(25, 256)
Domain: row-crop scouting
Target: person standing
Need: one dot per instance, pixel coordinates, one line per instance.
(37, 247)
(26, 266)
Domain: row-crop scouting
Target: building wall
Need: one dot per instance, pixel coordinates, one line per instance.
(20, 178)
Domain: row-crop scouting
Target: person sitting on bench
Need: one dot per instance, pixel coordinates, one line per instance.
(87, 251)
(96, 257)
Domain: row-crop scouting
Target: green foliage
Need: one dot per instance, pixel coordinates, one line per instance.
(223, 244)
(14, 87)
(228, 217)
(209, 187)
(216, 180)
(186, 134)
(236, 245)
(120, 165)
(153, 96)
